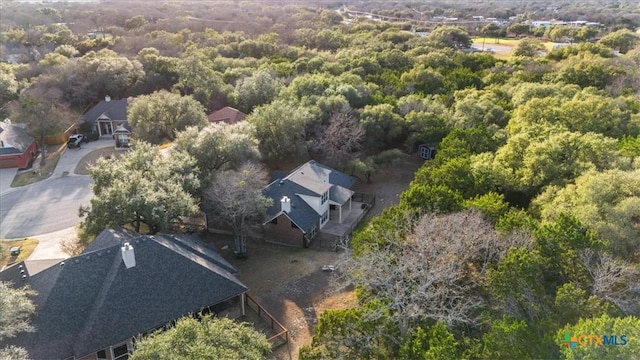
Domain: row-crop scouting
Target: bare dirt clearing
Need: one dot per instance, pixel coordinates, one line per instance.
(290, 283)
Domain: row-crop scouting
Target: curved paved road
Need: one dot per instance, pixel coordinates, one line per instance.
(44, 207)
(52, 204)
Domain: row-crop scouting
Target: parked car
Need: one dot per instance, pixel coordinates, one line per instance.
(75, 141)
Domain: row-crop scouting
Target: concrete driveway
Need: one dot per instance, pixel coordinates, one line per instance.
(50, 205)
(6, 178)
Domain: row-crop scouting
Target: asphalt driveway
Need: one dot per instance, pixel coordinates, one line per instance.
(50, 205)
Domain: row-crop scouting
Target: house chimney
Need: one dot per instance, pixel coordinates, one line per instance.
(128, 255)
(286, 204)
(107, 98)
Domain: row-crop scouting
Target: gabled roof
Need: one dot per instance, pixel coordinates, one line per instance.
(301, 214)
(311, 179)
(115, 110)
(92, 301)
(228, 115)
(315, 171)
(340, 195)
(15, 139)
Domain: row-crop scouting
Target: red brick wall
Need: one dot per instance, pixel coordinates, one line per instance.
(18, 161)
(8, 161)
(284, 233)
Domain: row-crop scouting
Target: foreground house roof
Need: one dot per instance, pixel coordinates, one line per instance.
(91, 301)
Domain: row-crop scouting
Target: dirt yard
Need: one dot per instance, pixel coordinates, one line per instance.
(290, 283)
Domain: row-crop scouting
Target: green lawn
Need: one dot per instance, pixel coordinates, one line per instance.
(26, 248)
(30, 177)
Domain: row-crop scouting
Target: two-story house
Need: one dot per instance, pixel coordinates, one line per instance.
(305, 201)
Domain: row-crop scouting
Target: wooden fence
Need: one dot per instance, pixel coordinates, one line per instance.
(282, 334)
(60, 138)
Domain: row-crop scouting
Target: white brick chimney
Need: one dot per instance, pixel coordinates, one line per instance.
(128, 256)
(286, 204)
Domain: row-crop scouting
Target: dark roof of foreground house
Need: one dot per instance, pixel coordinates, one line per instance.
(91, 301)
(115, 110)
(14, 139)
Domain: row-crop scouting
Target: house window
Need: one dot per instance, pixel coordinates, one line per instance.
(325, 216)
(312, 232)
(123, 140)
(121, 352)
(101, 355)
(325, 197)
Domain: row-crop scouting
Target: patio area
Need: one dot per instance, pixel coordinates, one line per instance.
(335, 228)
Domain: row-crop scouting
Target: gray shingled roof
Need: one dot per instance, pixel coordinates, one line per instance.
(313, 179)
(309, 181)
(15, 139)
(94, 301)
(301, 213)
(340, 195)
(116, 110)
(110, 237)
(315, 170)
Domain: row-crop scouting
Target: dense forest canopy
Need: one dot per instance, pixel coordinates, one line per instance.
(523, 228)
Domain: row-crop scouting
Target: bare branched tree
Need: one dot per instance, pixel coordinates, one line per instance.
(44, 112)
(614, 280)
(436, 273)
(341, 140)
(235, 198)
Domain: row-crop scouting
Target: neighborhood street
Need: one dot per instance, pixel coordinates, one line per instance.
(50, 205)
(43, 207)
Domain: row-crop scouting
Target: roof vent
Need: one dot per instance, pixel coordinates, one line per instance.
(107, 98)
(128, 256)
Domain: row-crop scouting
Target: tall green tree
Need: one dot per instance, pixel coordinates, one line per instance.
(606, 202)
(218, 147)
(197, 77)
(16, 309)
(255, 90)
(450, 36)
(433, 343)
(281, 130)
(161, 115)
(206, 338)
(621, 40)
(588, 347)
(142, 187)
(529, 48)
